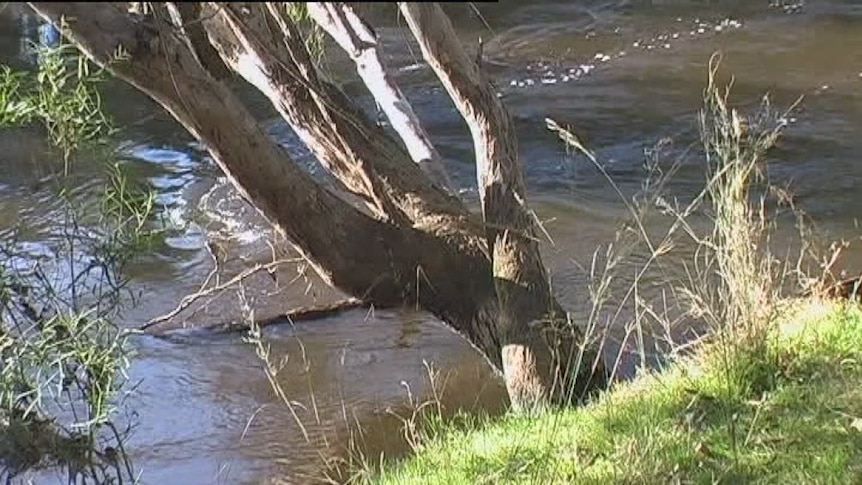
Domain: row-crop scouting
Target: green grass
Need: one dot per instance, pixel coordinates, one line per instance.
(796, 418)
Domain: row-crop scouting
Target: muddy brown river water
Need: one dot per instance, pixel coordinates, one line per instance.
(624, 73)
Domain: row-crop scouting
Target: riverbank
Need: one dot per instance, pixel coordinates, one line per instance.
(794, 417)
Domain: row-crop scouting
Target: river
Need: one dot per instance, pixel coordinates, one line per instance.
(625, 74)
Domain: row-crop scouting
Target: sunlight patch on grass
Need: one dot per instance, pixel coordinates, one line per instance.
(801, 425)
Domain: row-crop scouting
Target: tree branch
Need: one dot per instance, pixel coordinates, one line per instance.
(354, 36)
(342, 137)
(438, 263)
(188, 18)
(540, 362)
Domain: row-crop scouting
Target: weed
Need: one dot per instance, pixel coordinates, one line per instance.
(723, 408)
(63, 356)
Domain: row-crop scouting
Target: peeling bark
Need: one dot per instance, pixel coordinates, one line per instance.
(187, 17)
(357, 151)
(354, 36)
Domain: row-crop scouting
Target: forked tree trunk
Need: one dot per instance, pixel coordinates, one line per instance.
(417, 245)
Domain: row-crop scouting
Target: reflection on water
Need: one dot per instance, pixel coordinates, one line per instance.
(623, 74)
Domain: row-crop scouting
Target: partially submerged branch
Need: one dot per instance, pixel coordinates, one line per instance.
(301, 314)
(206, 290)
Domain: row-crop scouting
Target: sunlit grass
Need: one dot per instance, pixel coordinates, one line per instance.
(679, 425)
(771, 393)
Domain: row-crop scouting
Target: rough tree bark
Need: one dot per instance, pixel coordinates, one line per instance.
(416, 245)
(533, 320)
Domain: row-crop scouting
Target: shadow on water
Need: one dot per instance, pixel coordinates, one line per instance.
(623, 73)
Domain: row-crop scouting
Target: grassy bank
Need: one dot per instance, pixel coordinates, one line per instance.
(789, 414)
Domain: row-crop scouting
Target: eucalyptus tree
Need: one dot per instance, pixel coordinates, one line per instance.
(408, 239)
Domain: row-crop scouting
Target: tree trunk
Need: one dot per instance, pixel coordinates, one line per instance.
(417, 245)
(541, 352)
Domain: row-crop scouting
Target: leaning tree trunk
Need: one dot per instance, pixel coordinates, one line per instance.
(415, 243)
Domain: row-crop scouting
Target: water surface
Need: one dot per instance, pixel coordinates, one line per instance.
(623, 74)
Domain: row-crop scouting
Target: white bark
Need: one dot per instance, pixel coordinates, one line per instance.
(345, 26)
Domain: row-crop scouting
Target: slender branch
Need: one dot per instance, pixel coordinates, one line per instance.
(357, 39)
(204, 291)
(542, 353)
(509, 225)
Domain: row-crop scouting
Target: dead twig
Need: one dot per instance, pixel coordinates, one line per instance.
(204, 291)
